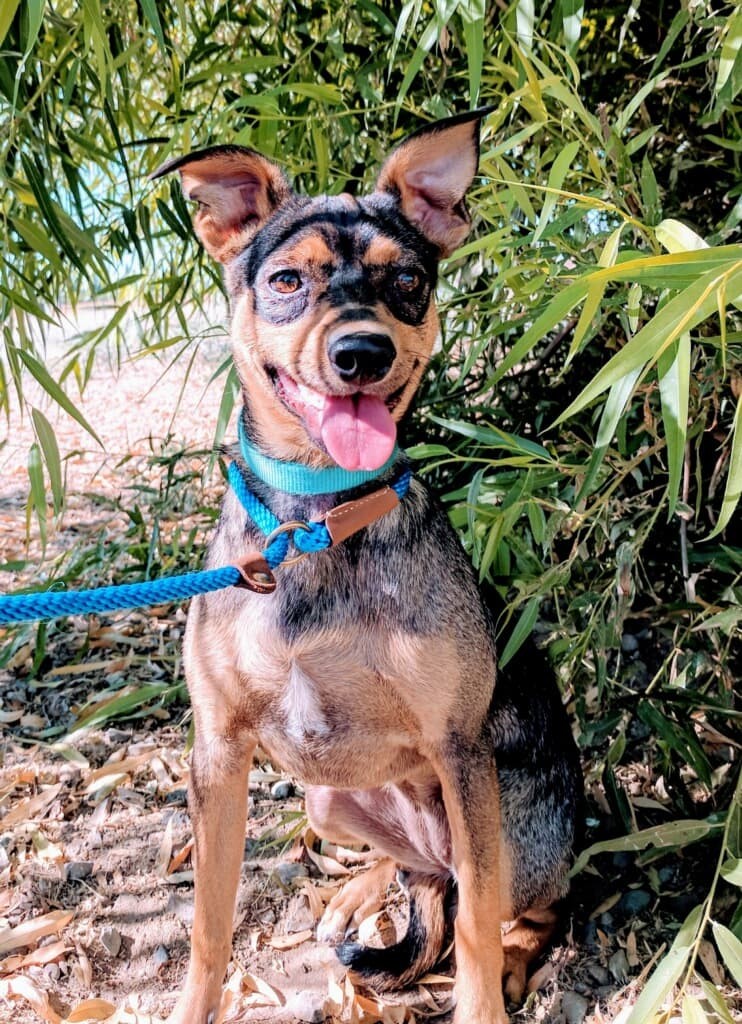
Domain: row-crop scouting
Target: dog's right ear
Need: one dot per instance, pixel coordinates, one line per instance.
(236, 189)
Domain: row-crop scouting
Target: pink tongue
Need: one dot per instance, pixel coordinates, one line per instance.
(358, 431)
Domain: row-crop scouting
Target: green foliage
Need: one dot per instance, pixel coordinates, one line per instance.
(582, 416)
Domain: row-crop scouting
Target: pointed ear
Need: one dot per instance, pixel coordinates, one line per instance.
(236, 189)
(430, 173)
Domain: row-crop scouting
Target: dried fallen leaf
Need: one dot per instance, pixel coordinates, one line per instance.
(126, 765)
(82, 970)
(180, 857)
(45, 849)
(24, 988)
(326, 865)
(318, 895)
(91, 1009)
(241, 990)
(606, 904)
(709, 960)
(39, 957)
(10, 717)
(32, 808)
(540, 978)
(289, 941)
(30, 932)
(377, 930)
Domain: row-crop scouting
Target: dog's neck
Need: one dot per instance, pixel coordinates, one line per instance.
(295, 490)
(300, 479)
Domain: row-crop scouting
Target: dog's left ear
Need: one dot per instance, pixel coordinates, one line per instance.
(430, 173)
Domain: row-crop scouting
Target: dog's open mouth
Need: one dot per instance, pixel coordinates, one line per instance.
(357, 430)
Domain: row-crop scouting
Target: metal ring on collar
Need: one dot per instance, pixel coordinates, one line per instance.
(289, 527)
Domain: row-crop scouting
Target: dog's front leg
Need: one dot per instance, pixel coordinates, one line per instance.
(471, 797)
(217, 801)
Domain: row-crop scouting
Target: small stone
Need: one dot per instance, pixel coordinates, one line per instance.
(76, 870)
(117, 736)
(575, 1007)
(599, 974)
(634, 901)
(618, 965)
(111, 941)
(289, 872)
(622, 860)
(281, 790)
(181, 907)
(179, 797)
(160, 956)
(306, 1006)
(629, 644)
(606, 923)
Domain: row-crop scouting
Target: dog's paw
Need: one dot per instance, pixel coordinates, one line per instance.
(332, 927)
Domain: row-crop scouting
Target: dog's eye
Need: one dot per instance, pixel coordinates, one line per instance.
(285, 282)
(407, 281)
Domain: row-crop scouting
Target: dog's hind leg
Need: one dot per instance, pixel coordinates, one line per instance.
(522, 941)
(218, 808)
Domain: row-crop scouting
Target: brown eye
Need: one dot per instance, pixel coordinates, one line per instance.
(407, 281)
(285, 282)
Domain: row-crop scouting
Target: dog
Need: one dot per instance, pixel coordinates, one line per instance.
(368, 670)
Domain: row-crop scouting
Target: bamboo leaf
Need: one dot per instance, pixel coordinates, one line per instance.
(674, 833)
(730, 48)
(521, 632)
(153, 17)
(557, 174)
(693, 1012)
(7, 13)
(731, 871)
(50, 450)
(733, 487)
(52, 388)
(678, 237)
(613, 409)
(687, 309)
(667, 972)
(472, 19)
(673, 369)
(37, 496)
(524, 23)
(730, 948)
(717, 1002)
(494, 437)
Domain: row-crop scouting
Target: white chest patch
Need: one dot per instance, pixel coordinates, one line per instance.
(303, 711)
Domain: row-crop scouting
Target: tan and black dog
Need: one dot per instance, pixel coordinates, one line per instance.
(369, 673)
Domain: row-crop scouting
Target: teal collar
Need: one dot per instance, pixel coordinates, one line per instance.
(296, 478)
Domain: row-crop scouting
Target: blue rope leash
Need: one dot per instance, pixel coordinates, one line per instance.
(51, 604)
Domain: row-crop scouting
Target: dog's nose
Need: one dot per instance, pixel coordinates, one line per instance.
(361, 358)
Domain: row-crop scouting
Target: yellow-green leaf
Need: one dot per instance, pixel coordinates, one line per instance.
(730, 948)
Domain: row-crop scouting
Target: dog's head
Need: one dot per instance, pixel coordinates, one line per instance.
(333, 314)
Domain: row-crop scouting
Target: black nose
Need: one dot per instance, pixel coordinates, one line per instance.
(361, 358)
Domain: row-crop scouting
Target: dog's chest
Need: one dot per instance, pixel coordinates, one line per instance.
(341, 704)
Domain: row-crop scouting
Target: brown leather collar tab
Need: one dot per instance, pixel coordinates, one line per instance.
(352, 516)
(256, 574)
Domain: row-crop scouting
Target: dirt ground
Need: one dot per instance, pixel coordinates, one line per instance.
(95, 875)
